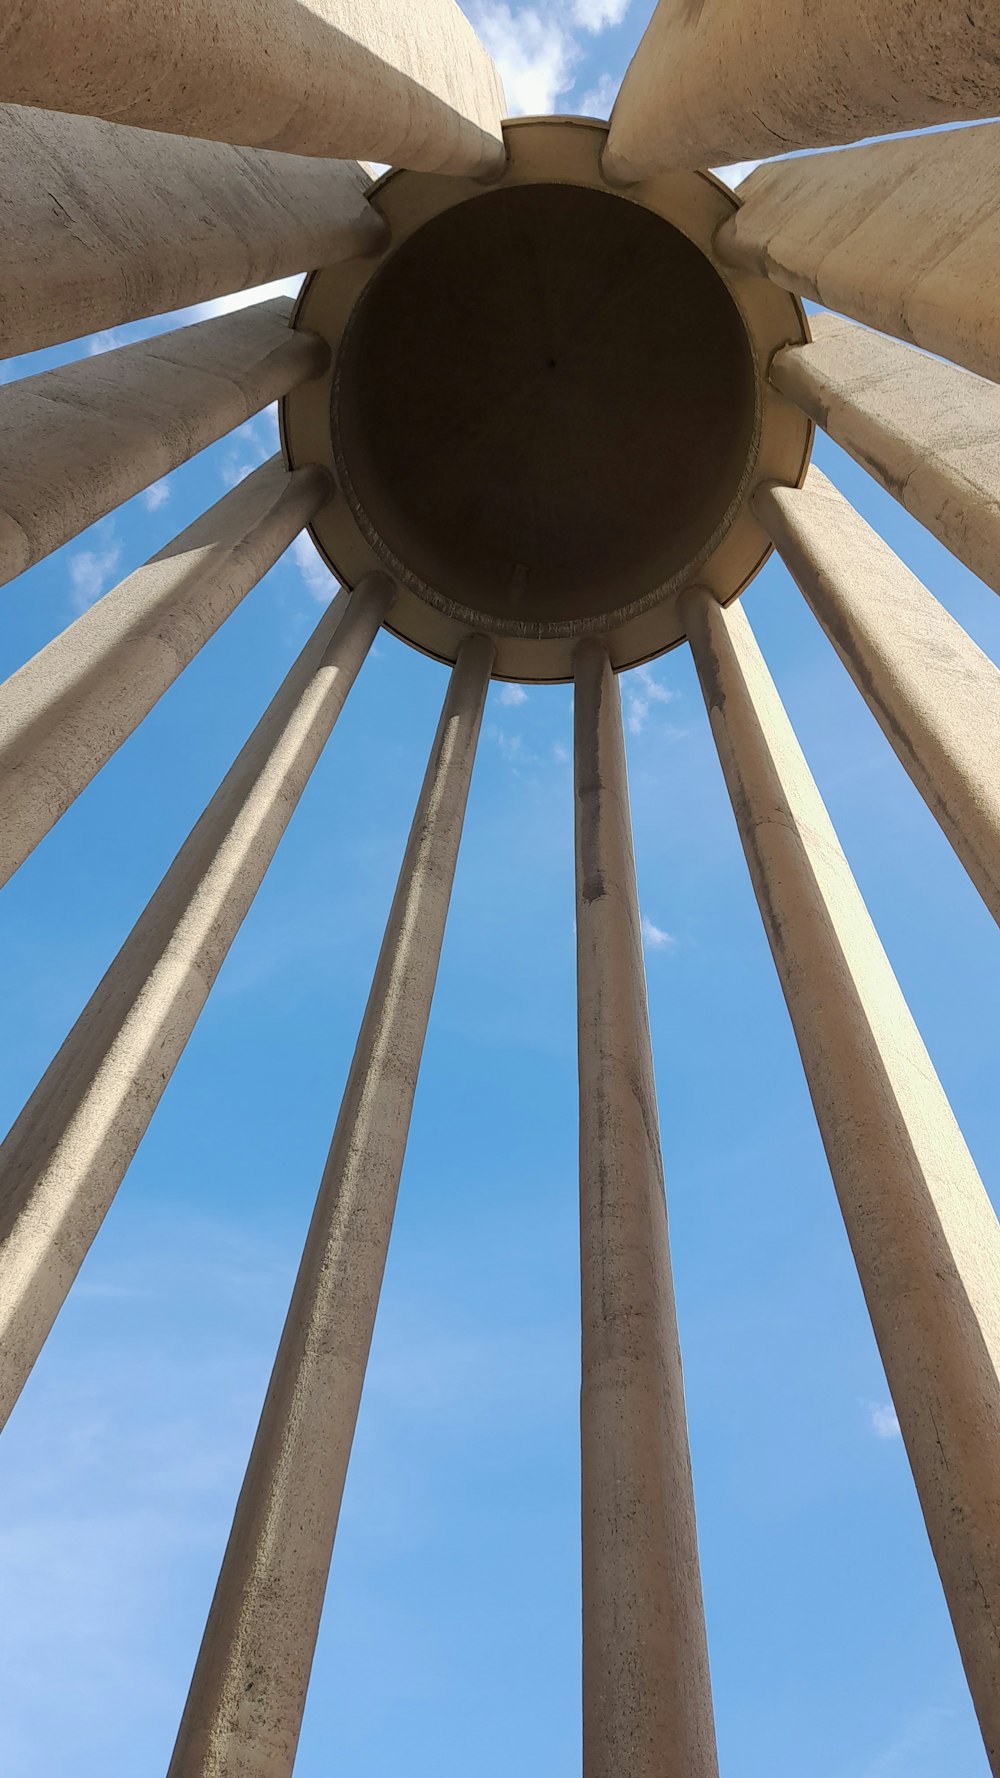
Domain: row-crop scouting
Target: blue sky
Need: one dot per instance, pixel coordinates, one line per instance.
(450, 1643)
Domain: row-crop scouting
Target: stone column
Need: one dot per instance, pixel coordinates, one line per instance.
(647, 1703)
(102, 224)
(244, 1710)
(926, 431)
(924, 1236)
(367, 79)
(76, 442)
(934, 694)
(724, 80)
(70, 1148)
(901, 235)
(66, 711)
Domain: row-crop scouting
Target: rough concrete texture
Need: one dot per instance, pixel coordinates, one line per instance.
(934, 694)
(66, 711)
(927, 431)
(244, 1710)
(903, 235)
(353, 78)
(717, 81)
(76, 442)
(67, 1153)
(103, 225)
(647, 1702)
(924, 1236)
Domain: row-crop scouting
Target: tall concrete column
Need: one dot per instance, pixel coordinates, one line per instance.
(336, 78)
(76, 442)
(897, 234)
(725, 80)
(934, 694)
(647, 1702)
(926, 431)
(66, 711)
(924, 1236)
(103, 224)
(244, 1710)
(70, 1148)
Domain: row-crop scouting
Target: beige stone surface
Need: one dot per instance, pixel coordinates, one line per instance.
(66, 711)
(68, 1152)
(244, 1710)
(935, 695)
(927, 431)
(903, 235)
(103, 224)
(647, 1702)
(383, 80)
(717, 81)
(924, 1236)
(76, 442)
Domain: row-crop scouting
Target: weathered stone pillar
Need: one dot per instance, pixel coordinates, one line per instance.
(926, 431)
(103, 224)
(647, 1703)
(66, 711)
(924, 1236)
(244, 1710)
(898, 234)
(69, 1150)
(76, 442)
(304, 76)
(934, 694)
(725, 80)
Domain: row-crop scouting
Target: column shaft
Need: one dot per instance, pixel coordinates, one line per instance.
(325, 77)
(924, 1236)
(926, 431)
(76, 442)
(103, 224)
(69, 1150)
(934, 694)
(897, 234)
(726, 80)
(244, 1710)
(66, 711)
(647, 1705)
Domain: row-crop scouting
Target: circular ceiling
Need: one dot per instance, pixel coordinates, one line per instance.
(547, 405)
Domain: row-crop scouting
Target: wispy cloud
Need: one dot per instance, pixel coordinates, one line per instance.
(598, 100)
(736, 174)
(92, 570)
(535, 51)
(599, 15)
(655, 938)
(318, 580)
(882, 1416)
(242, 299)
(642, 690)
(249, 446)
(156, 495)
(512, 695)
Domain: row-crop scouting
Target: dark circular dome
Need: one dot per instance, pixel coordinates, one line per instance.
(544, 408)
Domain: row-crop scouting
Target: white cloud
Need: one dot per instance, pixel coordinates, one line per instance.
(108, 341)
(736, 174)
(511, 695)
(91, 571)
(561, 754)
(655, 938)
(883, 1419)
(597, 102)
(642, 690)
(599, 15)
(318, 580)
(250, 446)
(156, 495)
(535, 51)
(242, 299)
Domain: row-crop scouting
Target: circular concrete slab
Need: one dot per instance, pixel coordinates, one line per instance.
(547, 406)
